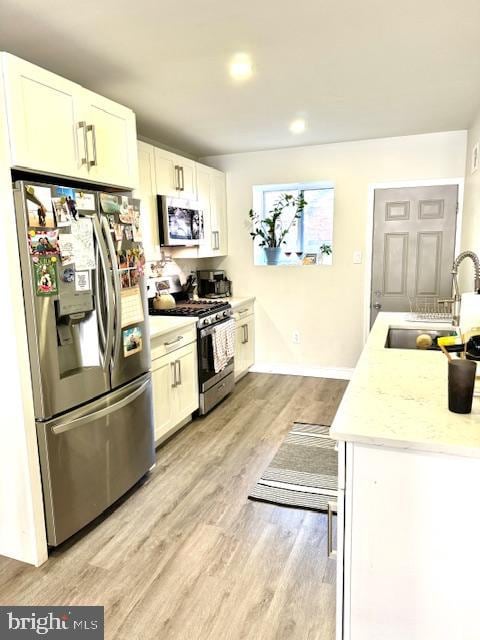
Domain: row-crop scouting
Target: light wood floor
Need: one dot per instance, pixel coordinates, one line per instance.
(187, 556)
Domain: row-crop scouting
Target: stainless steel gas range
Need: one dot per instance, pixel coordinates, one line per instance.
(213, 386)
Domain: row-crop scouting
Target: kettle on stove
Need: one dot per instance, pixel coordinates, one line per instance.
(163, 301)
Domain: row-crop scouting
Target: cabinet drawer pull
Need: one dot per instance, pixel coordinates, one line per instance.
(243, 310)
(331, 509)
(177, 339)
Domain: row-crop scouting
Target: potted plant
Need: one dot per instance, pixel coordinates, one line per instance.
(325, 250)
(272, 229)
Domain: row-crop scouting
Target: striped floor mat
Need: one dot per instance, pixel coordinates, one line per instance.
(303, 473)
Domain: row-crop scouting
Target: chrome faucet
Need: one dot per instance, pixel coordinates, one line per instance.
(457, 299)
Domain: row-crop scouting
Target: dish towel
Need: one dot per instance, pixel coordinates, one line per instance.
(223, 344)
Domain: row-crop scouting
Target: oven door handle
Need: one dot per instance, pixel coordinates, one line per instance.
(209, 330)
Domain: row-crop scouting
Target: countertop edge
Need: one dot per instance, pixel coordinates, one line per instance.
(171, 324)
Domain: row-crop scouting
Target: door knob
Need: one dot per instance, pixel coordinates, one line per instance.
(377, 306)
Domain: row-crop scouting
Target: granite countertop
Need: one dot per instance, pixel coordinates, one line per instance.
(398, 398)
(160, 325)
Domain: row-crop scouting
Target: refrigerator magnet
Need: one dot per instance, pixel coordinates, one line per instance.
(45, 276)
(82, 281)
(132, 341)
(124, 278)
(64, 206)
(43, 243)
(39, 206)
(109, 203)
(128, 231)
(137, 230)
(68, 275)
(85, 201)
(118, 231)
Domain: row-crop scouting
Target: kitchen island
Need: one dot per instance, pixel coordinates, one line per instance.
(408, 553)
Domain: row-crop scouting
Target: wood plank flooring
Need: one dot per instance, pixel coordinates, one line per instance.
(186, 555)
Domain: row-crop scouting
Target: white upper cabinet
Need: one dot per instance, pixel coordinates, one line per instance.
(147, 193)
(110, 140)
(175, 175)
(183, 178)
(212, 198)
(56, 126)
(43, 117)
(218, 213)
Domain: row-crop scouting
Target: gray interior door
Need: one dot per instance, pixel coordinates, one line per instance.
(413, 245)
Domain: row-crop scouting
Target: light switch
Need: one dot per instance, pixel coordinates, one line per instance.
(357, 257)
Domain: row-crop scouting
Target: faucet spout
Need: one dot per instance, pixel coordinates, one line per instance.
(456, 291)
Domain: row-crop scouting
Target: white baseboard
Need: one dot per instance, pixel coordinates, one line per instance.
(340, 373)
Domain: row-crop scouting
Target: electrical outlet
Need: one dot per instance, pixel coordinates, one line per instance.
(296, 337)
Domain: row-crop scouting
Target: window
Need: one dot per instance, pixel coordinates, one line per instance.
(308, 237)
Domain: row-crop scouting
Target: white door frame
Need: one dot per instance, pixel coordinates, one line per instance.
(460, 182)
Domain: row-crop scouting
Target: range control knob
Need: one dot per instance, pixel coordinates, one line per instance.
(218, 316)
(206, 321)
(226, 314)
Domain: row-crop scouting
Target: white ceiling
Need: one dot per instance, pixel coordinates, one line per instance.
(353, 69)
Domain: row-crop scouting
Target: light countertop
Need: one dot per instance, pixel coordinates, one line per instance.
(237, 302)
(160, 325)
(398, 398)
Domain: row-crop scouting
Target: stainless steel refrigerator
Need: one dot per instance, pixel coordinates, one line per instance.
(86, 315)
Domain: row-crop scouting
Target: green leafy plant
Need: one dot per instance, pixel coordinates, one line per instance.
(271, 230)
(326, 249)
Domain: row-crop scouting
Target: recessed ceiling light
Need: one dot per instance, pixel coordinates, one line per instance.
(241, 66)
(298, 125)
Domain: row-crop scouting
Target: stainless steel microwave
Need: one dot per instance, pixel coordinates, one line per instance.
(180, 222)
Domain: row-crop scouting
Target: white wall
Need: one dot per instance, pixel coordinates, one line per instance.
(22, 526)
(471, 208)
(324, 303)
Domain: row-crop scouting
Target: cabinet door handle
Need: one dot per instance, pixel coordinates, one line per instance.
(179, 379)
(91, 128)
(177, 177)
(246, 333)
(84, 160)
(244, 339)
(331, 509)
(177, 339)
(182, 187)
(173, 371)
(216, 239)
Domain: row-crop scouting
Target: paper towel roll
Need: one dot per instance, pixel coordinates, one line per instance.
(469, 311)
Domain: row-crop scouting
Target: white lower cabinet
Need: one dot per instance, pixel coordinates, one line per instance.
(175, 388)
(409, 546)
(244, 341)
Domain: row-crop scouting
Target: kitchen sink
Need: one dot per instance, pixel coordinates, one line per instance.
(400, 338)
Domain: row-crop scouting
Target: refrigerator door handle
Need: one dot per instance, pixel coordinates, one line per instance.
(109, 295)
(96, 415)
(117, 316)
(101, 322)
